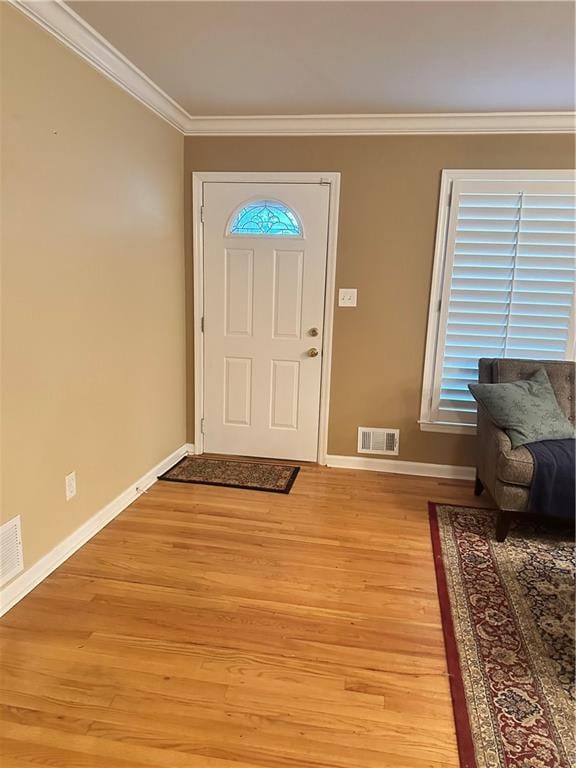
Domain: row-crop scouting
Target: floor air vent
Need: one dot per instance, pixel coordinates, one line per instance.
(11, 560)
(383, 441)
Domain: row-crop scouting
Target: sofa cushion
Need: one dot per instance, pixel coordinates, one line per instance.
(515, 466)
(527, 410)
(512, 497)
(562, 375)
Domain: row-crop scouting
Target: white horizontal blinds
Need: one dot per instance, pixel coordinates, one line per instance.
(509, 283)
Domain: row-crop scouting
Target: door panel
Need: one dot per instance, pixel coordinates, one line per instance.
(284, 394)
(237, 391)
(263, 294)
(238, 285)
(288, 273)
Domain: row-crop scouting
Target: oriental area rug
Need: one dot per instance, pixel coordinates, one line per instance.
(508, 620)
(234, 473)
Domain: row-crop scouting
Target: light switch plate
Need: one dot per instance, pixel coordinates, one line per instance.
(347, 297)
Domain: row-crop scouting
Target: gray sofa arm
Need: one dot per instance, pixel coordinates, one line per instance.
(492, 442)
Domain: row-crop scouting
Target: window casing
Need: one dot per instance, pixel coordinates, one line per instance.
(503, 282)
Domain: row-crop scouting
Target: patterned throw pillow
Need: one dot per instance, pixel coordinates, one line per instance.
(526, 410)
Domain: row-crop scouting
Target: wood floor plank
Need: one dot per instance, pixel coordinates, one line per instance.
(211, 627)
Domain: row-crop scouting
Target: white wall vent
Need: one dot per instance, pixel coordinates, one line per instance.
(11, 558)
(375, 440)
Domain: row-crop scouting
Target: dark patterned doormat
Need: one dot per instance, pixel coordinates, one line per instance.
(233, 473)
(508, 620)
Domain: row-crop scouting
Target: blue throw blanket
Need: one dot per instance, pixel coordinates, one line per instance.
(554, 481)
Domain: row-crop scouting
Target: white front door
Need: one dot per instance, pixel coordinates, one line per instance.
(265, 251)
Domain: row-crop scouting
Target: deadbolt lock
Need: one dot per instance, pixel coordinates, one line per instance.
(313, 332)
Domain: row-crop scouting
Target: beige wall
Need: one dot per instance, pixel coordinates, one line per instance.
(388, 209)
(93, 369)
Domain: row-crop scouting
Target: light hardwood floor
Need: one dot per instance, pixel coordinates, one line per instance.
(218, 628)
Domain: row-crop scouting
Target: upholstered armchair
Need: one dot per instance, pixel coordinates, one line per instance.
(506, 473)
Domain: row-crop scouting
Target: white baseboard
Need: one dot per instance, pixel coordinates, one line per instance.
(402, 467)
(31, 577)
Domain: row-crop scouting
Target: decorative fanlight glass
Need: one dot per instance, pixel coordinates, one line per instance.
(268, 218)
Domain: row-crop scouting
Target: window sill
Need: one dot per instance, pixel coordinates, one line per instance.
(453, 429)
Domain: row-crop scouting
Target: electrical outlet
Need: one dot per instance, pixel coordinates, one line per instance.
(70, 481)
(347, 297)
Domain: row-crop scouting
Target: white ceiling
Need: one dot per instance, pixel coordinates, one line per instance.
(289, 58)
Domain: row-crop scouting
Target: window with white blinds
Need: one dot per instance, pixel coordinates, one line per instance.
(504, 280)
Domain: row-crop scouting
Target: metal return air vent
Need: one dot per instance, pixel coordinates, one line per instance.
(11, 559)
(385, 442)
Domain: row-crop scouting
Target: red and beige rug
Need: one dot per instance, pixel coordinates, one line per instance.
(508, 620)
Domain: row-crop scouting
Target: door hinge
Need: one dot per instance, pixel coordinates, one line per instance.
(449, 200)
(439, 305)
(201, 325)
(202, 214)
(202, 425)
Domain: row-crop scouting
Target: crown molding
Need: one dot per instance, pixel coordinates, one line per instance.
(379, 125)
(61, 21)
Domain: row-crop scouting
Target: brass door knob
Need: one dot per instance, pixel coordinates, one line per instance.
(312, 352)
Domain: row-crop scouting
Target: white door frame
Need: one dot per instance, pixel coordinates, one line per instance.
(332, 180)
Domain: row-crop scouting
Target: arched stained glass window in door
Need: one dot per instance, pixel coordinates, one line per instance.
(267, 218)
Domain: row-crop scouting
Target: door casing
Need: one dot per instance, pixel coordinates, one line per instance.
(331, 179)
